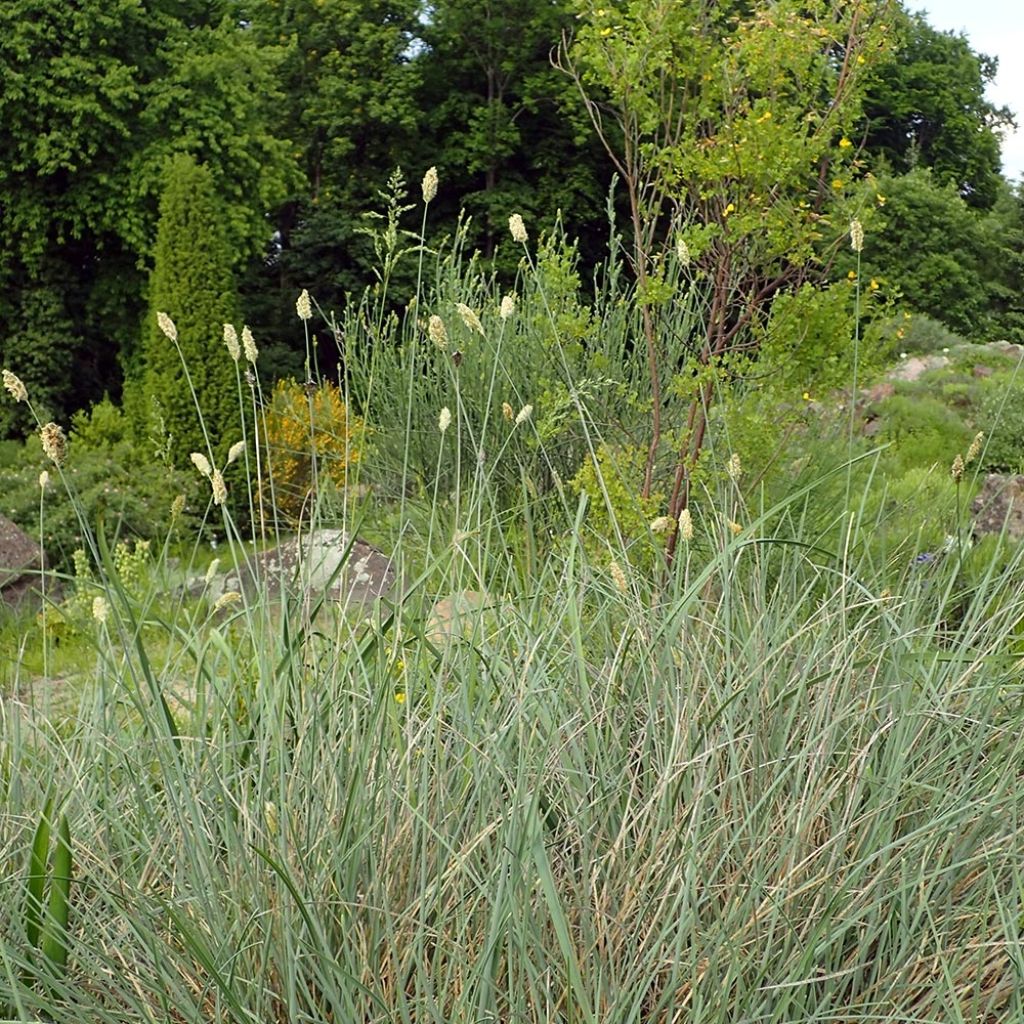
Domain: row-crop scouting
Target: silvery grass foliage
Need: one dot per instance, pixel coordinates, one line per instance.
(754, 786)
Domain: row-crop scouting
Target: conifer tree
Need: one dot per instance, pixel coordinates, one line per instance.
(193, 284)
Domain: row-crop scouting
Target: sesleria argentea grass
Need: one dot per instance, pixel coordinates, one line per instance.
(757, 786)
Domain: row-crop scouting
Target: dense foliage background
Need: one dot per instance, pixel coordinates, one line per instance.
(299, 112)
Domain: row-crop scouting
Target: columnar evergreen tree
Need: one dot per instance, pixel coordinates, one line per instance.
(192, 283)
(95, 96)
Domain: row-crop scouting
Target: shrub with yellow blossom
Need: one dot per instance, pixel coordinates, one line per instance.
(303, 420)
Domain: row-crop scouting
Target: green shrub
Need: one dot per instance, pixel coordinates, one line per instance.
(923, 430)
(919, 334)
(116, 485)
(1000, 416)
(298, 426)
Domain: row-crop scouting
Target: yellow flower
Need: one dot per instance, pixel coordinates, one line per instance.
(399, 696)
(874, 285)
(806, 396)
(606, 31)
(838, 183)
(860, 58)
(880, 200)
(734, 527)
(851, 275)
(731, 208)
(845, 143)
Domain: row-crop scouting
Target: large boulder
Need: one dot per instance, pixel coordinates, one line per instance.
(321, 562)
(20, 563)
(999, 506)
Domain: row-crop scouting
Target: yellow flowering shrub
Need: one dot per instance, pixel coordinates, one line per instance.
(299, 424)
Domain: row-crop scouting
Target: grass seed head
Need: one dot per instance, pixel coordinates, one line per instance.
(661, 524)
(469, 317)
(523, 415)
(249, 345)
(166, 325)
(975, 449)
(303, 307)
(856, 235)
(957, 469)
(202, 463)
(686, 525)
(17, 389)
(220, 491)
(429, 184)
(444, 421)
(55, 444)
(507, 411)
(618, 577)
(100, 609)
(508, 305)
(235, 451)
(228, 598)
(231, 340)
(518, 228)
(437, 332)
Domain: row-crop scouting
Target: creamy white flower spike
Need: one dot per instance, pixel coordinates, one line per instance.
(429, 184)
(166, 325)
(517, 228)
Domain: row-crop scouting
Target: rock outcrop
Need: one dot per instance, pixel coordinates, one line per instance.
(20, 564)
(999, 506)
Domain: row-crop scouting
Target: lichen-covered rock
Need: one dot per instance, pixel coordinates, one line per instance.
(999, 506)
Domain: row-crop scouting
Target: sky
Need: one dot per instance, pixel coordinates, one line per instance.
(994, 27)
